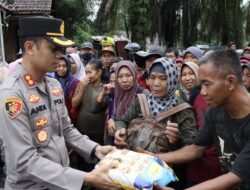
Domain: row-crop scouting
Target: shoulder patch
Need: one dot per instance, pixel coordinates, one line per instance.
(13, 106)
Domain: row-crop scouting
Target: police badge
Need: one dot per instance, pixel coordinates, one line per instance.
(13, 106)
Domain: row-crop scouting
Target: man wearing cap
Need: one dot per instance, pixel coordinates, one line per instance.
(108, 42)
(35, 123)
(86, 52)
(130, 49)
(107, 55)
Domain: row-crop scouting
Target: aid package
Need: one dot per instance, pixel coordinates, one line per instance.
(137, 170)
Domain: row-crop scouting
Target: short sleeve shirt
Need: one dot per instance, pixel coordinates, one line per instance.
(218, 123)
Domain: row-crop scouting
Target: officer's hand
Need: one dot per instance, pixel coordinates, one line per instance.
(120, 138)
(111, 127)
(99, 176)
(172, 132)
(102, 151)
(157, 187)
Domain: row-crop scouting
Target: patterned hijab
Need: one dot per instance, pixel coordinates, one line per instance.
(158, 105)
(123, 98)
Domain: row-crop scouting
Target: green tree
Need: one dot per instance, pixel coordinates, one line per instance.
(139, 13)
(76, 15)
(248, 23)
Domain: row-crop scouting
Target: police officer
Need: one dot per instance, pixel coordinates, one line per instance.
(35, 124)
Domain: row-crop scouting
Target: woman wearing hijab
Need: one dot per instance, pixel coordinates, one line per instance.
(188, 80)
(163, 81)
(69, 84)
(77, 68)
(126, 86)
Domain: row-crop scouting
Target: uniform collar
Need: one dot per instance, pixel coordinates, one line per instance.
(26, 77)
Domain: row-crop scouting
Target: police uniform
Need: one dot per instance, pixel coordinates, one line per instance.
(35, 126)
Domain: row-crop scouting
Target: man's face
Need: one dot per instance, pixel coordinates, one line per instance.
(171, 55)
(106, 59)
(233, 47)
(214, 87)
(86, 50)
(46, 56)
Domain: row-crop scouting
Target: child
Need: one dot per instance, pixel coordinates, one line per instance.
(89, 123)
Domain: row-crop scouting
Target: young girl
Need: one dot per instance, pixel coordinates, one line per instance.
(69, 84)
(89, 123)
(105, 101)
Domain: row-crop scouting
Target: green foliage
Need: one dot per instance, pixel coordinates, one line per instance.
(211, 21)
(139, 14)
(248, 23)
(76, 14)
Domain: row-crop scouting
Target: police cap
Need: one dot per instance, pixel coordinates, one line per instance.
(51, 28)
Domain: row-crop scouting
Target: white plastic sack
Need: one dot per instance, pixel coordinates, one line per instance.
(138, 171)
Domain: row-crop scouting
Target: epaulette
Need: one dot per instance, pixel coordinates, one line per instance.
(9, 82)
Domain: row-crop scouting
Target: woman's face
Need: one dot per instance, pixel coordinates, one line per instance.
(158, 84)
(125, 78)
(61, 68)
(73, 66)
(93, 74)
(246, 77)
(188, 78)
(189, 57)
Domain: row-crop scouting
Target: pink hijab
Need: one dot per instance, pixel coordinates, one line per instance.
(124, 98)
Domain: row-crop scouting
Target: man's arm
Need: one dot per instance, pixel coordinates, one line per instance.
(227, 181)
(183, 155)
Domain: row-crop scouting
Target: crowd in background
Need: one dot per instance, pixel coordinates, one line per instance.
(101, 90)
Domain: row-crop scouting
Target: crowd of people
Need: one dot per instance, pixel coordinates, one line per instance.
(53, 85)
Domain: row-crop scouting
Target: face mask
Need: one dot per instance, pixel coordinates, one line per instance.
(87, 56)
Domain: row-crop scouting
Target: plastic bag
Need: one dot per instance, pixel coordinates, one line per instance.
(138, 171)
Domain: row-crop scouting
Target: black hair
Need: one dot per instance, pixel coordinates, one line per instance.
(36, 39)
(176, 53)
(226, 62)
(95, 63)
